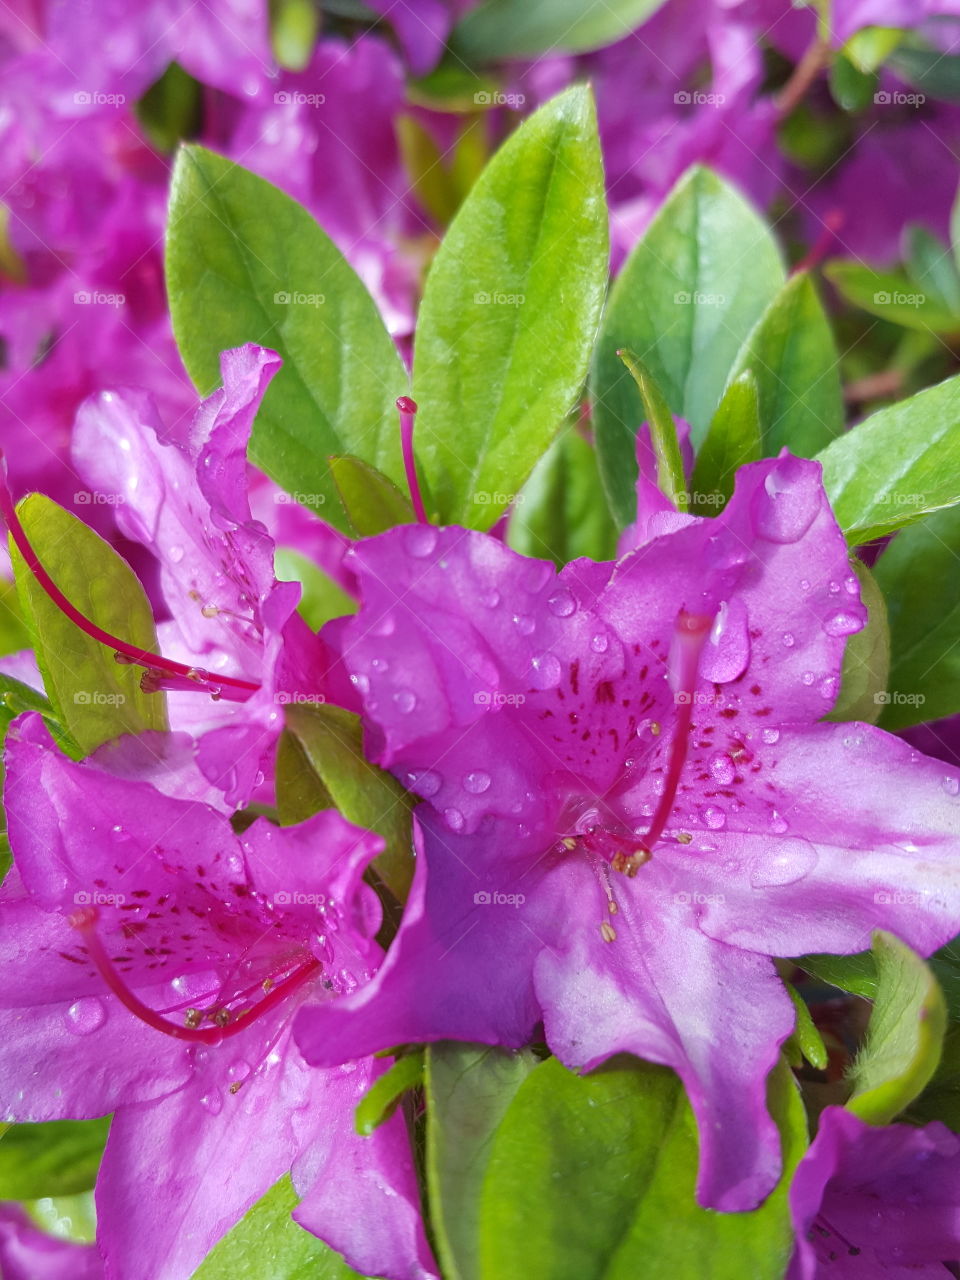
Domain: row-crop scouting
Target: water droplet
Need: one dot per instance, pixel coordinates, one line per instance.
(788, 639)
(360, 683)
(86, 1016)
(770, 736)
(379, 664)
(454, 819)
(834, 588)
(714, 817)
(562, 603)
(951, 784)
(778, 824)
(213, 1101)
(828, 688)
(425, 782)
(239, 1070)
(722, 768)
(384, 626)
(842, 624)
(524, 624)
(175, 554)
(406, 700)
(538, 575)
(787, 505)
(804, 584)
(808, 677)
(852, 586)
(477, 782)
(783, 864)
(491, 599)
(420, 540)
(599, 643)
(545, 671)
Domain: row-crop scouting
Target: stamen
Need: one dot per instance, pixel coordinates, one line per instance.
(225, 1024)
(408, 413)
(158, 669)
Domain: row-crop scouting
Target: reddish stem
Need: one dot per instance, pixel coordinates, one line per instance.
(408, 414)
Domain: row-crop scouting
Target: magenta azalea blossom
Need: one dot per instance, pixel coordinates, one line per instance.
(657, 717)
(186, 499)
(876, 1201)
(27, 1253)
(153, 962)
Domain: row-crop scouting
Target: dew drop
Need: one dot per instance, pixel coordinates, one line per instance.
(524, 624)
(778, 823)
(808, 678)
(212, 1101)
(384, 626)
(770, 736)
(788, 639)
(562, 603)
(852, 586)
(405, 700)
(545, 671)
(842, 623)
(951, 784)
(360, 683)
(804, 584)
(420, 540)
(599, 643)
(828, 688)
(714, 817)
(723, 769)
(783, 864)
(86, 1016)
(491, 599)
(787, 505)
(379, 664)
(175, 553)
(425, 782)
(454, 819)
(477, 782)
(538, 575)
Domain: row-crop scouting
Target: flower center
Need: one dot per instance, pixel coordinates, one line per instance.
(226, 1021)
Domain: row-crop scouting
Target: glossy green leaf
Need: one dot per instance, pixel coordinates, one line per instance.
(14, 632)
(593, 1177)
(806, 1039)
(892, 296)
(663, 432)
(528, 28)
(322, 598)
(266, 1244)
(792, 355)
(686, 300)
(386, 1093)
(733, 439)
(93, 696)
(469, 1088)
(930, 265)
(896, 466)
(856, 973)
(919, 574)
(245, 263)
(509, 312)
(866, 658)
(905, 1035)
(300, 792)
(332, 743)
(60, 1158)
(562, 512)
(372, 502)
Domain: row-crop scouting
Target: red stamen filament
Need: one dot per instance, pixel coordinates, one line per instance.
(153, 662)
(408, 414)
(85, 924)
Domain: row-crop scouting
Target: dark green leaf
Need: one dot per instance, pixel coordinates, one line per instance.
(469, 1088)
(527, 28)
(941, 1098)
(384, 1096)
(593, 1176)
(332, 743)
(936, 73)
(14, 632)
(59, 1158)
(562, 512)
(509, 312)
(792, 355)
(93, 696)
(663, 432)
(266, 1244)
(919, 574)
(905, 1035)
(245, 263)
(852, 88)
(300, 793)
(733, 439)
(857, 973)
(901, 463)
(372, 502)
(866, 658)
(931, 267)
(686, 300)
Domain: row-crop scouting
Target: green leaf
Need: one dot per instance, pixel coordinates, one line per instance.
(733, 439)
(593, 1176)
(935, 72)
(686, 300)
(372, 502)
(562, 512)
(905, 1036)
(332, 743)
(663, 432)
(14, 632)
(430, 179)
(294, 26)
(60, 1158)
(930, 266)
(919, 574)
(469, 1088)
(386, 1093)
(851, 87)
(93, 696)
(940, 1100)
(792, 355)
(245, 263)
(510, 310)
(856, 973)
(901, 463)
(870, 47)
(893, 297)
(266, 1244)
(806, 1038)
(322, 598)
(526, 28)
(866, 658)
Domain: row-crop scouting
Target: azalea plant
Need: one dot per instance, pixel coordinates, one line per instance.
(479, 694)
